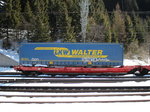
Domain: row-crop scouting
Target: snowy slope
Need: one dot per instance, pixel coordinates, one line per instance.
(12, 54)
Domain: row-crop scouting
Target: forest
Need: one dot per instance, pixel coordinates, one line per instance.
(102, 21)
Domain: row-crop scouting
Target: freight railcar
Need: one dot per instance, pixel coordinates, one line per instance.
(73, 58)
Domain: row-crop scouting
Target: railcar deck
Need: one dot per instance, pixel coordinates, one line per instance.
(83, 70)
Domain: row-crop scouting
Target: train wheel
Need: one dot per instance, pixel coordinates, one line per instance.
(34, 73)
(143, 72)
(72, 76)
(132, 71)
(53, 75)
(30, 73)
(26, 73)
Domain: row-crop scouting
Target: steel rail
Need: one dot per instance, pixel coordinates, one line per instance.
(75, 95)
(72, 80)
(10, 73)
(5, 74)
(53, 102)
(72, 74)
(75, 89)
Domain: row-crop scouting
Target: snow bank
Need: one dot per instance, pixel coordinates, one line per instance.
(134, 62)
(12, 54)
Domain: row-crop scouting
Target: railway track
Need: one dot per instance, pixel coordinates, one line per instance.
(75, 89)
(101, 101)
(17, 77)
(70, 75)
(70, 80)
(32, 95)
(10, 73)
(47, 95)
(102, 92)
(75, 98)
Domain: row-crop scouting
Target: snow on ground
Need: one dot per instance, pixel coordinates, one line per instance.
(75, 107)
(78, 107)
(12, 54)
(135, 62)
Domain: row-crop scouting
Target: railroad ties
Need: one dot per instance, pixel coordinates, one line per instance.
(18, 79)
(73, 90)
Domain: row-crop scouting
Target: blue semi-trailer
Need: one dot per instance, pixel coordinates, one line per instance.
(72, 54)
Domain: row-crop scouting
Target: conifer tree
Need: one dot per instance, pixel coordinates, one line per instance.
(57, 19)
(41, 29)
(11, 20)
(69, 29)
(12, 14)
(74, 17)
(16, 14)
(53, 18)
(101, 17)
(140, 27)
(63, 27)
(118, 26)
(131, 33)
(70, 34)
(148, 23)
(28, 20)
(28, 13)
